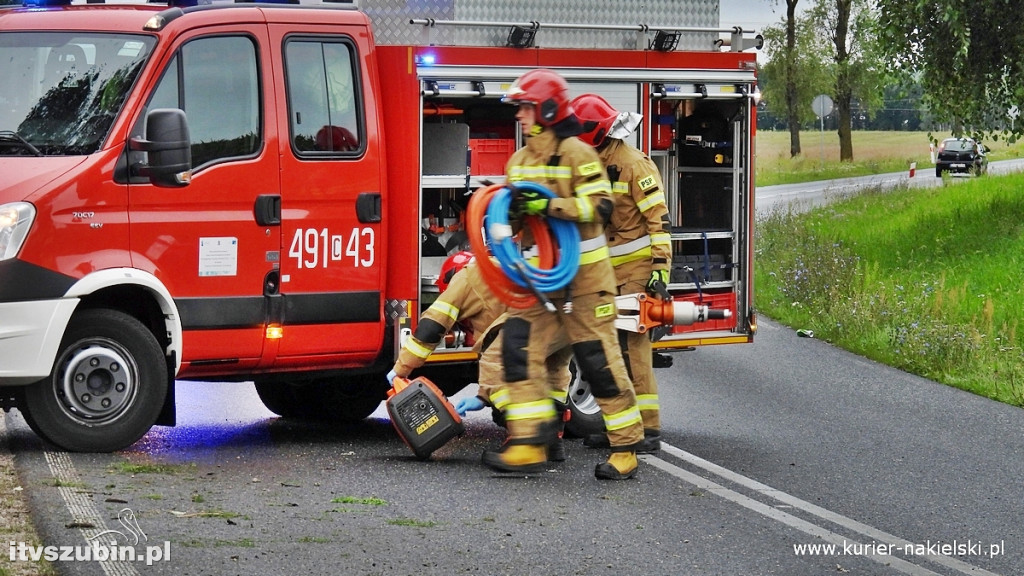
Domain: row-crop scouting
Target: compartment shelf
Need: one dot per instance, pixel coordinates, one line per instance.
(459, 181)
(710, 235)
(705, 169)
(704, 285)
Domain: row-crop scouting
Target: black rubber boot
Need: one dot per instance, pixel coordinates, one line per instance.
(596, 441)
(556, 446)
(649, 445)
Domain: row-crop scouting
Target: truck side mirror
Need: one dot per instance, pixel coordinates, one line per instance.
(168, 147)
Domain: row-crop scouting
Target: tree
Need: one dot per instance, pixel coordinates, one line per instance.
(850, 27)
(794, 72)
(792, 109)
(967, 56)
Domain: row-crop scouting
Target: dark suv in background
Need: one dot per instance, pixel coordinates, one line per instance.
(963, 155)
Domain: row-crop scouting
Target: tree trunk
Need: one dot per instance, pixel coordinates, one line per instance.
(844, 91)
(792, 98)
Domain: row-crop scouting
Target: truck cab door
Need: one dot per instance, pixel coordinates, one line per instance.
(205, 241)
(331, 172)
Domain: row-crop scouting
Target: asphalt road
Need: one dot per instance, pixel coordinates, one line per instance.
(785, 456)
(770, 446)
(811, 194)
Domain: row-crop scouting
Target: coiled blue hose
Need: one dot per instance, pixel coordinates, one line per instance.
(517, 268)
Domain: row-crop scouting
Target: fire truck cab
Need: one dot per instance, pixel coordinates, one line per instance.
(266, 192)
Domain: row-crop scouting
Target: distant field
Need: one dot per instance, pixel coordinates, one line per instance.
(873, 153)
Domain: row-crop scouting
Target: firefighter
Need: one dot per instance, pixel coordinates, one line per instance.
(465, 298)
(638, 239)
(571, 169)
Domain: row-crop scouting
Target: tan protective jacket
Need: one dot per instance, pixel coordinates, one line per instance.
(579, 180)
(638, 235)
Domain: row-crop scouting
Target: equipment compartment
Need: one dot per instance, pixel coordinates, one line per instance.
(706, 201)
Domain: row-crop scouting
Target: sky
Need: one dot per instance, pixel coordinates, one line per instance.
(751, 14)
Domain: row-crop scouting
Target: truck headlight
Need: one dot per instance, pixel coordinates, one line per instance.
(15, 220)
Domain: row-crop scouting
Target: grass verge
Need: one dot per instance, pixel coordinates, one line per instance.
(925, 280)
(15, 521)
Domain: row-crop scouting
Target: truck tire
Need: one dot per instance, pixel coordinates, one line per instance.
(338, 399)
(280, 398)
(108, 384)
(19, 395)
(353, 398)
(585, 415)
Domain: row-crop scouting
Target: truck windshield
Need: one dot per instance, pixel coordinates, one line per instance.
(61, 91)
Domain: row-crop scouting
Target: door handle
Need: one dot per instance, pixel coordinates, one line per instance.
(267, 209)
(368, 208)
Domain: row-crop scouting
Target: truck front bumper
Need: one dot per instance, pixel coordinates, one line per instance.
(30, 334)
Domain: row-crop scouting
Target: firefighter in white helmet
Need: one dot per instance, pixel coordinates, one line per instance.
(465, 299)
(553, 157)
(638, 239)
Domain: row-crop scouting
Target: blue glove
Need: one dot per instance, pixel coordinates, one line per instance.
(391, 378)
(471, 404)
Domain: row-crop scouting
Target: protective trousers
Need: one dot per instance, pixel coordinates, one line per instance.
(590, 330)
(638, 354)
(493, 388)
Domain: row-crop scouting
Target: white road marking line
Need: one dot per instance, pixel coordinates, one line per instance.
(77, 503)
(774, 513)
(82, 509)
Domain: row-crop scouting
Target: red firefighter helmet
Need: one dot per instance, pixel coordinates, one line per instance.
(336, 139)
(596, 115)
(453, 264)
(546, 90)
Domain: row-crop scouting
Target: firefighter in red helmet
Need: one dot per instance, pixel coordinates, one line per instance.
(638, 239)
(555, 158)
(460, 303)
(466, 299)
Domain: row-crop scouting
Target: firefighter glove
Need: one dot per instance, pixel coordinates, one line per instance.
(527, 202)
(536, 207)
(469, 405)
(658, 284)
(391, 377)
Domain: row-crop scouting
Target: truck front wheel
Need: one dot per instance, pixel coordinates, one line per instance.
(107, 387)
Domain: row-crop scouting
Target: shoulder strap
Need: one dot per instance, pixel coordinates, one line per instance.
(556, 158)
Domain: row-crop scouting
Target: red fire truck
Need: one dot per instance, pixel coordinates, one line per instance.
(266, 192)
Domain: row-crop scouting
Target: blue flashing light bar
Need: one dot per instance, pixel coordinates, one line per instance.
(46, 3)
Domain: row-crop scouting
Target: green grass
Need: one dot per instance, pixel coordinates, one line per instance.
(412, 522)
(925, 280)
(58, 483)
(239, 543)
(355, 500)
(151, 468)
(873, 153)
